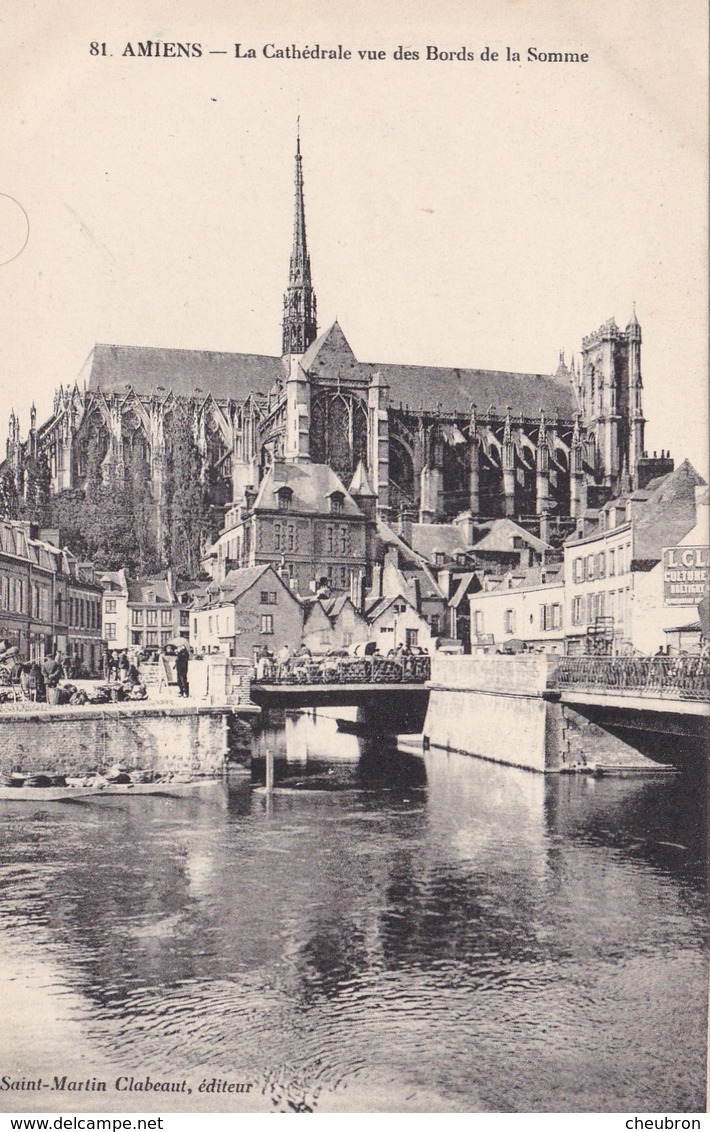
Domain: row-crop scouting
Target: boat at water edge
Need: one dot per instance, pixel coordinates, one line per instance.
(196, 787)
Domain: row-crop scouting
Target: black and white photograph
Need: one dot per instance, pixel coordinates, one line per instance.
(354, 559)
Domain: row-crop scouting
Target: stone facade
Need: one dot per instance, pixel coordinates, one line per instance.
(249, 610)
(49, 601)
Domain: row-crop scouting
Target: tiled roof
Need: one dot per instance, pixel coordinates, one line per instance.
(461, 590)
(334, 605)
(140, 588)
(429, 539)
(311, 484)
(668, 515)
(237, 582)
(501, 533)
(186, 373)
(451, 389)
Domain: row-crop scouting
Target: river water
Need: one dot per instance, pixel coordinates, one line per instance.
(385, 932)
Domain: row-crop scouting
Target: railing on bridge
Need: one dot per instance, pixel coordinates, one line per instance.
(348, 670)
(672, 677)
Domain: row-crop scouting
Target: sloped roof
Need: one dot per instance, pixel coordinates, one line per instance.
(450, 388)
(237, 582)
(334, 605)
(360, 484)
(115, 368)
(329, 347)
(387, 537)
(140, 588)
(429, 539)
(501, 533)
(668, 515)
(461, 590)
(186, 373)
(455, 389)
(314, 610)
(113, 581)
(426, 582)
(380, 605)
(311, 484)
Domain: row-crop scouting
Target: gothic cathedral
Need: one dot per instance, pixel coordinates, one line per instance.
(434, 441)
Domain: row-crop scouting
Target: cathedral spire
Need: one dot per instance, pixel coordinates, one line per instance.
(299, 314)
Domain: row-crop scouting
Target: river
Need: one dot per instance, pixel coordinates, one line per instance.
(385, 932)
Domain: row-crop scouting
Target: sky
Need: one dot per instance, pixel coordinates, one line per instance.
(474, 213)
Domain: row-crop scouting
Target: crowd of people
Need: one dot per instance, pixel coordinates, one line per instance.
(37, 681)
(51, 680)
(120, 668)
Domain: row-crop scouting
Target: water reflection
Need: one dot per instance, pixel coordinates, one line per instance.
(386, 931)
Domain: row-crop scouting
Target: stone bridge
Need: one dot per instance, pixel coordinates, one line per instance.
(390, 693)
(554, 713)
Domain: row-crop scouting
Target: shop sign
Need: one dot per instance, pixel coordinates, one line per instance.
(685, 574)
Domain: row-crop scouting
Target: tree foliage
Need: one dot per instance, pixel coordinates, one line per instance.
(36, 505)
(9, 497)
(115, 520)
(185, 511)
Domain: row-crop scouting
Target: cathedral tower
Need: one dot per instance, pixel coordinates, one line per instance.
(611, 392)
(299, 314)
(299, 330)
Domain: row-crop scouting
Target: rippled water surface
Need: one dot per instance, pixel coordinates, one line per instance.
(385, 932)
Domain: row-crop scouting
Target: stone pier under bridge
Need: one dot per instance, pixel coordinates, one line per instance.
(517, 710)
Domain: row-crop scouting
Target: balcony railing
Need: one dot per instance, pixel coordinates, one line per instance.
(347, 670)
(674, 677)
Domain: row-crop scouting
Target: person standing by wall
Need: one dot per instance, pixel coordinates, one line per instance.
(182, 661)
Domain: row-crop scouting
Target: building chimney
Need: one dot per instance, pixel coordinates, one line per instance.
(377, 580)
(404, 526)
(466, 526)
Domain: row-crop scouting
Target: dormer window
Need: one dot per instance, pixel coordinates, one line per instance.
(337, 502)
(439, 558)
(285, 498)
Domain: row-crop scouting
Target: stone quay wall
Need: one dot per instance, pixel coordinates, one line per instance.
(171, 739)
(500, 708)
(508, 710)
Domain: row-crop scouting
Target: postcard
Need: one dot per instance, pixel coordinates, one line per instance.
(354, 371)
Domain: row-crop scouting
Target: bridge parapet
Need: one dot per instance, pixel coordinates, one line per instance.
(672, 677)
(347, 670)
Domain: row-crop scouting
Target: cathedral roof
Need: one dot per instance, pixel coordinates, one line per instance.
(186, 373)
(444, 387)
(152, 369)
(455, 389)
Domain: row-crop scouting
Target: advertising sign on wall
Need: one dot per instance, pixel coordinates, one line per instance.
(685, 574)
